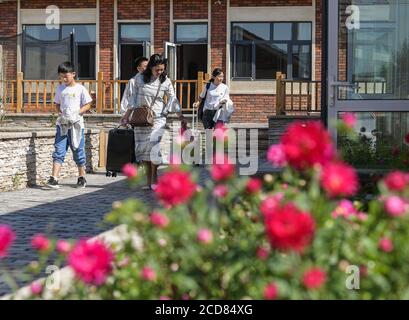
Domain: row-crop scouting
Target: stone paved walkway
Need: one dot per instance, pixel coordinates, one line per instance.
(67, 213)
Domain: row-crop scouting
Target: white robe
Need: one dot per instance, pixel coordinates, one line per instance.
(224, 112)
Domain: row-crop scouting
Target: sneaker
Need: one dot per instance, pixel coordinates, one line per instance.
(81, 183)
(52, 183)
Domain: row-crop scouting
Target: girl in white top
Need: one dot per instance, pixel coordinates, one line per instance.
(216, 94)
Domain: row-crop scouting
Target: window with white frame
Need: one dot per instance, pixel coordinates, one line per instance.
(260, 49)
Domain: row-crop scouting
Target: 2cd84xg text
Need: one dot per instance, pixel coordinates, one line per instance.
(216, 309)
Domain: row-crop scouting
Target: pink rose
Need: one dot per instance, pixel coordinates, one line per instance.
(396, 181)
(91, 261)
(349, 119)
(253, 185)
(205, 236)
(36, 288)
(395, 206)
(262, 253)
(314, 278)
(129, 170)
(269, 205)
(159, 220)
(386, 245)
(63, 247)
(270, 292)
(7, 237)
(220, 132)
(175, 187)
(40, 243)
(339, 179)
(222, 168)
(220, 191)
(148, 274)
(276, 156)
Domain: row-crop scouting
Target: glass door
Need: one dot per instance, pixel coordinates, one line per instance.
(170, 55)
(147, 49)
(368, 75)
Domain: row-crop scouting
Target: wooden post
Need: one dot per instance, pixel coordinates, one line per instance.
(199, 86)
(100, 92)
(102, 149)
(19, 92)
(280, 93)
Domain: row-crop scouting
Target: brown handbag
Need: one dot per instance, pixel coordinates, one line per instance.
(143, 116)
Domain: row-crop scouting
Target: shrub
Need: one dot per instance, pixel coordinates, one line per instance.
(292, 237)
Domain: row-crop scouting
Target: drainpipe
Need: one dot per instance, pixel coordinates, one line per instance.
(324, 62)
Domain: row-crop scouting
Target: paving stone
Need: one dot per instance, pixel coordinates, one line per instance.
(67, 213)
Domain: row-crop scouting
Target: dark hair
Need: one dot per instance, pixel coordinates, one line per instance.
(215, 73)
(66, 67)
(139, 60)
(154, 61)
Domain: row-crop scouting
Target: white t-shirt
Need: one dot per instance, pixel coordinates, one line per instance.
(128, 92)
(71, 100)
(214, 95)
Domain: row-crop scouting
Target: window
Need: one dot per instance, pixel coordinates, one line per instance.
(191, 33)
(134, 42)
(134, 33)
(261, 49)
(84, 39)
(45, 48)
(191, 56)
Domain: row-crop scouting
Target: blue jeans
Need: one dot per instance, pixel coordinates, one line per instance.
(61, 147)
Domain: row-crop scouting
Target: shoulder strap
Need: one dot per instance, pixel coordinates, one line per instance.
(207, 89)
(157, 94)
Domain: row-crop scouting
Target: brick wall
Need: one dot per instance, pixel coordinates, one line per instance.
(269, 3)
(190, 9)
(161, 24)
(106, 37)
(131, 9)
(8, 21)
(218, 34)
(8, 28)
(63, 4)
(252, 108)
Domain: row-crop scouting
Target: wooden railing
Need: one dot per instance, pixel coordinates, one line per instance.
(297, 95)
(294, 96)
(37, 96)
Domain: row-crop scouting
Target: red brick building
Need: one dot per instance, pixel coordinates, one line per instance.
(251, 40)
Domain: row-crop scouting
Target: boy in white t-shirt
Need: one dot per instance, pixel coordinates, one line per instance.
(72, 101)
